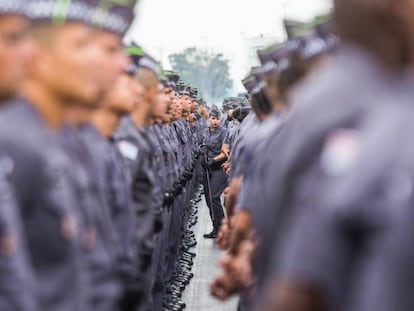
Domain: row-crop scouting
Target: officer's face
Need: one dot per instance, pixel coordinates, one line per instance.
(191, 119)
(111, 58)
(178, 107)
(120, 98)
(161, 102)
(272, 90)
(137, 91)
(65, 62)
(193, 105)
(186, 103)
(214, 122)
(141, 105)
(16, 48)
(170, 92)
(204, 112)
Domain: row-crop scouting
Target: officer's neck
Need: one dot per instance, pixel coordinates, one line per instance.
(51, 108)
(140, 117)
(78, 115)
(106, 121)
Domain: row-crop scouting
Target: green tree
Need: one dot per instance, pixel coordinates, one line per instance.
(209, 72)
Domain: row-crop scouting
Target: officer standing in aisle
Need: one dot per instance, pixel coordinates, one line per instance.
(215, 179)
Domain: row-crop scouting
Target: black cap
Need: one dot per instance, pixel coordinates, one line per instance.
(193, 92)
(141, 59)
(184, 89)
(249, 83)
(12, 7)
(164, 81)
(326, 29)
(214, 112)
(314, 45)
(102, 14)
(172, 76)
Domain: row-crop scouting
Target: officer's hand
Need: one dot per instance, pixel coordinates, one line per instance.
(210, 162)
(89, 238)
(8, 244)
(223, 236)
(68, 227)
(223, 287)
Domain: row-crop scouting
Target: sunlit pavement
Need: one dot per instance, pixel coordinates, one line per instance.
(197, 294)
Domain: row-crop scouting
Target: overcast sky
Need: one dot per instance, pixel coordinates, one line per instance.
(164, 27)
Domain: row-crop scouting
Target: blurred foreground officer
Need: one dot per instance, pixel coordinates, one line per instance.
(336, 219)
(40, 166)
(118, 102)
(16, 282)
(94, 162)
(386, 285)
(115, 268)
(215, 179)
(136, 149)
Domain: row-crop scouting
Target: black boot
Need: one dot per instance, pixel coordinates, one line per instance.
(211, 235)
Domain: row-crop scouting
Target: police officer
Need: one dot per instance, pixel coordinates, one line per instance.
(94, 165)
(118, 101)
(215, 179)
(40, 166)
(293, 177)
(353, 213)
(134, 141)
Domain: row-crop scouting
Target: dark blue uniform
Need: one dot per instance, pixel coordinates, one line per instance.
(46, 200)
(217, 177)
(101, 256)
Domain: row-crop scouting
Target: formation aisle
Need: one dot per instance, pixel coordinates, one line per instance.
(196, 295)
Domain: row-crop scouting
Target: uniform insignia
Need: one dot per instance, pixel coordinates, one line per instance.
(341, 149)
(128, 150)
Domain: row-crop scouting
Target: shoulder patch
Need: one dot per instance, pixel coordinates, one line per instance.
(340, 151)
(128, 150)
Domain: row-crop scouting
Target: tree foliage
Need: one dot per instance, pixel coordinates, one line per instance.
(209, 72)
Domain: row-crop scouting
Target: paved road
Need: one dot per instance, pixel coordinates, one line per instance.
(205, 268)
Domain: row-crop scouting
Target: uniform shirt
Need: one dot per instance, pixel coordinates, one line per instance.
(160, 171)
(245, 137)
(224, 121)
(182, 139)
(118, 198)
(231, 135)
(214, 141)
(88, 178)
(384, 281)
(137, 152)
(172, 137)
(17, 288)
(45, 198)
(165, 144)
(249, 191)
